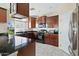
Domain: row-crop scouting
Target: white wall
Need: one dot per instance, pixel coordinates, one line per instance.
(64, 21)
(3, 27)
(6, 6)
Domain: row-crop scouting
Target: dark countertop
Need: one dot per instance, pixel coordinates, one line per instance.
(6, 34)
(10, 48)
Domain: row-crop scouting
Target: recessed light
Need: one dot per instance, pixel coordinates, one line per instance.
(32, 8)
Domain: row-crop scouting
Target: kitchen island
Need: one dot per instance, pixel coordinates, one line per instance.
(9, 48)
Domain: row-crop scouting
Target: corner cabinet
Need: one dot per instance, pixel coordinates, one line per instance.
(52, 21)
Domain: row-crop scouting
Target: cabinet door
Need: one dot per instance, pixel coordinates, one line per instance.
(42, 19)
(52, 21)
(27, 50)
(54, 39)
(42, 22)
(3, 15)
(51, 39)
(47, 38)
(23, 9)
(32, 22)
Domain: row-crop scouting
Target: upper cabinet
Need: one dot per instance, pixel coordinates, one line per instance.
(3, 15)
(42, 19)
(23, 8)
(32, 22)
(41, 22)
(52, 21)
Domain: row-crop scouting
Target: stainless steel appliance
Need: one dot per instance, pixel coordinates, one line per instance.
(74, 33)
(40, 36)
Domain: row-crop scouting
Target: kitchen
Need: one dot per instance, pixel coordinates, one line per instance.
(30, 24)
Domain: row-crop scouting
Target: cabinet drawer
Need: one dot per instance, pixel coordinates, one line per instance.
(54, 43)
(53, 40)
(46, 40)
(53, 36)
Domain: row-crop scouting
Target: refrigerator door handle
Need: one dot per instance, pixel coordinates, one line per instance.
(69, 37)
(70, 33)
(74, 45)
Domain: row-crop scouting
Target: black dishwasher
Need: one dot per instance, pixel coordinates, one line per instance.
(40, 36)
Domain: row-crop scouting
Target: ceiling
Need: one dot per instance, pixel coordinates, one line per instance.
(37, 9)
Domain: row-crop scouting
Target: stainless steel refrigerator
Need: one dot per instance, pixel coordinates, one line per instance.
(74, 33)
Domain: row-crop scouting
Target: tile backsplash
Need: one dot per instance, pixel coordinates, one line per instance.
(3, 27)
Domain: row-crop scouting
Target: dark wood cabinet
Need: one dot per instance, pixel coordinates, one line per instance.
(32, 22)
(42, 19)
(3, 15)
(51, 39)
(23, 8)
(54, 39)
(52, 21)
(28, 50)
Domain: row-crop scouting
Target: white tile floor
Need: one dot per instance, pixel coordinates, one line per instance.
(48, 50)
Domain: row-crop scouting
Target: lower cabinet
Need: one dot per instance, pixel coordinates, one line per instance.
(28, 50)
(51, 39)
